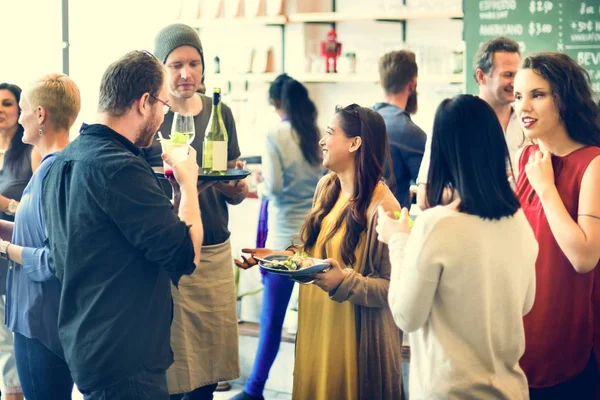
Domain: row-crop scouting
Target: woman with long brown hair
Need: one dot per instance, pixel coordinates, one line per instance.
(348, 346)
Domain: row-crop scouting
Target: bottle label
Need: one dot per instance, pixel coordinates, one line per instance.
(219, 156)
(207, 155)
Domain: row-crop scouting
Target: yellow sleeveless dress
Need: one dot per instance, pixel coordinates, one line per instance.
(326, 365)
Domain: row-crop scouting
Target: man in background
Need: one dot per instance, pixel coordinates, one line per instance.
(494, 68)
(204, 334)
(398, 76)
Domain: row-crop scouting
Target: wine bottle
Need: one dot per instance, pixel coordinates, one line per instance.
(214, 151)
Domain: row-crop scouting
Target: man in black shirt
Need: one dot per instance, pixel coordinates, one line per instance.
(116, 243)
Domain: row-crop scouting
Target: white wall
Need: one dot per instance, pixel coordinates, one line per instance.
(101, 32)
(31, 44)
(369, 40)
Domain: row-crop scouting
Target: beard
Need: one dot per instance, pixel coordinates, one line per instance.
(411, 103)
(146, 134)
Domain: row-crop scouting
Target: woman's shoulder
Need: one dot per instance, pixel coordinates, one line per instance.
(382, 195)
(280, 130)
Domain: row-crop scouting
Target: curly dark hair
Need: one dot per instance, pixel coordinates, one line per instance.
(572, 92)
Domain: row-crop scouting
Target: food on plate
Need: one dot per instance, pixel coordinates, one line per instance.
(293, 263)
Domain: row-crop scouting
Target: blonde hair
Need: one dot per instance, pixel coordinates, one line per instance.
(59, 95)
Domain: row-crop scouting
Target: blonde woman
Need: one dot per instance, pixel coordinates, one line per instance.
(48, 110)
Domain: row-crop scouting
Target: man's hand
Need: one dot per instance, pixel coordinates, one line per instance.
(235, 191)
(185, 172)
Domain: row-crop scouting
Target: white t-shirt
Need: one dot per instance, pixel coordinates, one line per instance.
(514, 140)
(460, 286)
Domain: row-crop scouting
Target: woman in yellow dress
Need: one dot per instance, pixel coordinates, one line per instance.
(348, 346)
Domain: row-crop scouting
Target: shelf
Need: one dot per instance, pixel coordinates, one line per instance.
(220, 22)
(250, 77)
(325, 17)
(330, 78)
(370, 78)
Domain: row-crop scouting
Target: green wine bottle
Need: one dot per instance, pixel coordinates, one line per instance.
(214, 150)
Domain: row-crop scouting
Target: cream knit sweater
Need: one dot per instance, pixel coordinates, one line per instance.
(461, 285)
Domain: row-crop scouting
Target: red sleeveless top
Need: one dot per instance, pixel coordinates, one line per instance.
(559, 330)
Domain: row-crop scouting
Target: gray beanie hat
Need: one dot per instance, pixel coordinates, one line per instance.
(174, 36)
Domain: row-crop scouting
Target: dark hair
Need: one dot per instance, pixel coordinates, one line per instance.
(469, 155)
(16, 148)
(572, 92)
(127, 79)
(301, 112)
(396, 69)
(484, 58)
(369, 160)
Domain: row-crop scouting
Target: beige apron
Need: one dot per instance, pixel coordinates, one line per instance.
(204, 332)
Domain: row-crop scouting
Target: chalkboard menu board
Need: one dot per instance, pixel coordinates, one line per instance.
(570, 26)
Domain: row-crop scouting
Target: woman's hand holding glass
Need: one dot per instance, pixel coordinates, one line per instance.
(387, 225)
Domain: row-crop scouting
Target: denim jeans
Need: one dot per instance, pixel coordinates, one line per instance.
(276, 296)
(9, 379)
(405, 378)
(40, 369)
(145, 385)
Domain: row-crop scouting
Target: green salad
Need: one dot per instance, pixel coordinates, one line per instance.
(298, 261)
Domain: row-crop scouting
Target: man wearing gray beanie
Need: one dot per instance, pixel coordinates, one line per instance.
(204, 332)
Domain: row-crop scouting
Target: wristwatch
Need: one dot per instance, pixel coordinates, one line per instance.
(4, 249)
(12, 207)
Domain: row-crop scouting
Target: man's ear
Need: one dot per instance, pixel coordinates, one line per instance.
(480, 76)
(143, 103)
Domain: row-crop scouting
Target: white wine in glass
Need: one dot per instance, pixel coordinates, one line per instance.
(183, 129)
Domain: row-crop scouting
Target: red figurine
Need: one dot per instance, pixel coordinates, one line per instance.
(331, 50)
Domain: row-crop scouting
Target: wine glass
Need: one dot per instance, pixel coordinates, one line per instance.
(183, 127)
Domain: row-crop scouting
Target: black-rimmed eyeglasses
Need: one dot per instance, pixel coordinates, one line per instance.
(166, 107)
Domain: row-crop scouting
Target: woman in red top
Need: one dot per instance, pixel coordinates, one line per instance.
(560, 195)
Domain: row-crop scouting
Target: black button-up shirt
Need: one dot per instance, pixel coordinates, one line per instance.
(114, 242)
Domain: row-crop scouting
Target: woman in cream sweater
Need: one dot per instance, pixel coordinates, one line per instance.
(464, 277)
